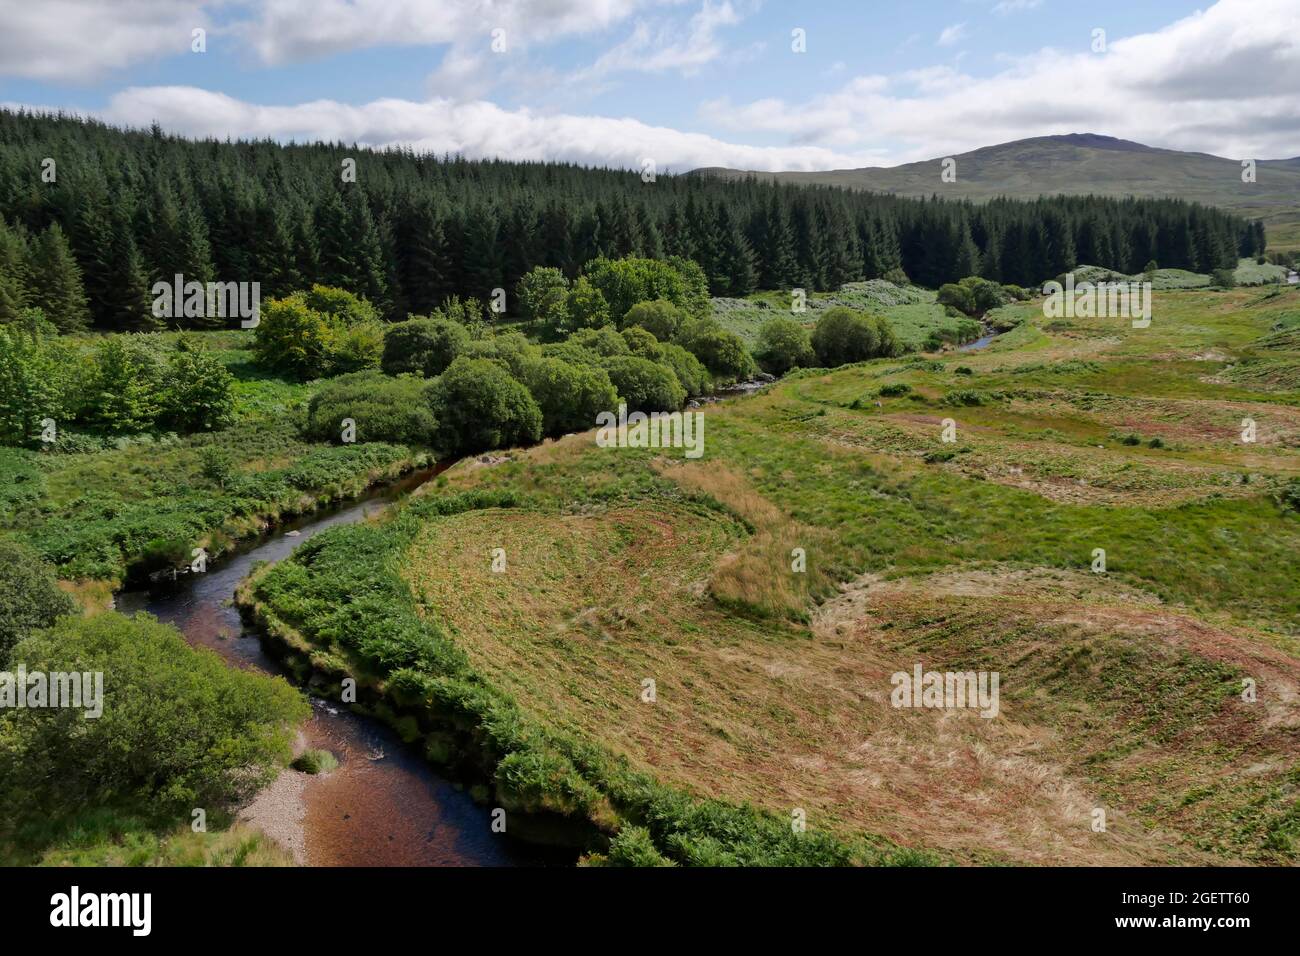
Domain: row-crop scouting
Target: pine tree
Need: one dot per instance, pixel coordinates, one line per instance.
(14, 276)
(57, 288)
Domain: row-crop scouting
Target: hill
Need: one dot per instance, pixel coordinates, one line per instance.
(1083, 164)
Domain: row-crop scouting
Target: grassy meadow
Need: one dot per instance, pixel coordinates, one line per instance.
(651, 660)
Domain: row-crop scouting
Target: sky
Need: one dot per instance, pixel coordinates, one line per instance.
(757, 84)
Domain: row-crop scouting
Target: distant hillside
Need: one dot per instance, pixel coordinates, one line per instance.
(1081, 164)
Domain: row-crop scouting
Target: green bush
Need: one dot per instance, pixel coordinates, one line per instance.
(382, 407)
(179, 729)
(894, 389)
(722, 352)
(689, 370)
(570, 396)
(29, 596)
(784, 344)
(479, 406)
(645, 386)
(320, 332)
(422, 346)
(604, 342)
(974, 296)
(661, 318)
(198, 390)
(642, 343)
(843, 336)
(511, 350)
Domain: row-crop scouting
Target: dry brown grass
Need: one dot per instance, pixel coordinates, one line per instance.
(758, 573)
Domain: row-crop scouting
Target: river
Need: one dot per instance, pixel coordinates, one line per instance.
(385, 805)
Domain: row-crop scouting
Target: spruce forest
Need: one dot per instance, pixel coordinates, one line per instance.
(131, 208)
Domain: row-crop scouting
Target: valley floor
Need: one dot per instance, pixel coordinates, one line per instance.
(1125, 695)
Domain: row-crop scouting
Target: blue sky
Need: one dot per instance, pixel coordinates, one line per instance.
(685, 82)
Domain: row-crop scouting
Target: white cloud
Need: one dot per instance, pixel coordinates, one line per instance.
(81, 40)
(291, 30)
(475, 129)
(1005, 7)
(1220, 81)
(952, 34)
(656, 51)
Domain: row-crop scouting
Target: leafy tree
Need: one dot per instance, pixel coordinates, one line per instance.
(603, 341)
(479, 406)
(423, 346)
(179, 728)
(660, 317)
(543, 297)
(32, 385)
(843, 336)
(127, 392)
(642, 343)
(643, 385)
(320, 332)
(30, 598)
(689, 370)
(783, 344)
(570, 396)
(198, 391)
(722, 352)
(973, 295)
(511, 350)
(586, 306)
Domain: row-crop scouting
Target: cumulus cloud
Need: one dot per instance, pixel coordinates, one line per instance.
(81, 40)
(474, 129)
(1222, 81)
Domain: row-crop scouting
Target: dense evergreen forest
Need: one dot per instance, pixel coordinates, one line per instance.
(84, 238)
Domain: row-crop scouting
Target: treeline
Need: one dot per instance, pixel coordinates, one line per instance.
(94, 216)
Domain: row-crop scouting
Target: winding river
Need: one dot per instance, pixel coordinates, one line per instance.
(384, 805)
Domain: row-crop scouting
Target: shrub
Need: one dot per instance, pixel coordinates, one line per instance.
(843, 336)
(689, 370)
(198, 390)
(423, 346)
(179, 728)
(511, 350)
(29, 596)
(604, 342)
(570, 396)
(660, 317)
(125, 394)
(479, 406)
(722, 352)
(320, 332)
(642, 343)
(783, 344)
(645, 386)
(1224, 278)
(383, 408)
(894, 389)
(974, 295)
